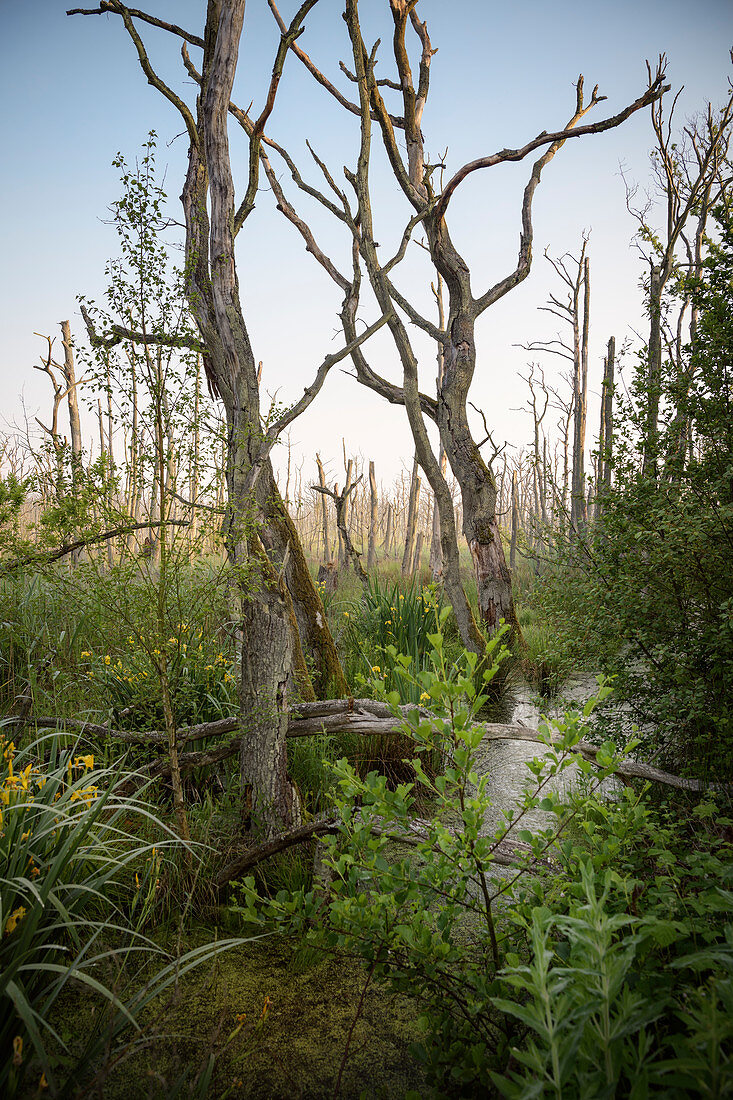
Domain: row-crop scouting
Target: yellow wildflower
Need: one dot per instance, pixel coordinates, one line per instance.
(376, 668)
(424, 697)
(15, 917)
(85, 761)
(43, 1083)
(85, 653)
(346, 615)
(172, 641)
(107, 659)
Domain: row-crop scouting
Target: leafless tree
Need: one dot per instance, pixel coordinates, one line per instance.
(414, 174)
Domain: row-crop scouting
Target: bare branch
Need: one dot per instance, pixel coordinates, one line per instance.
(656, 89)
(107, 9)
(287, 38)
(115, 7)
(117, 333)
(319, 76)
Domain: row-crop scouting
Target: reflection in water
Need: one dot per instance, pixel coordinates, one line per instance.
(505, 762)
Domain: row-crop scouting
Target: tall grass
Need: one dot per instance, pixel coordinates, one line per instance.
(69, 840)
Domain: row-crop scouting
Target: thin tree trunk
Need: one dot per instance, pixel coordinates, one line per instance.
(580, 398)
(415, 571)
(388, 534)
(515, 523)
(324, 510)
(373, 517)
(410, 531)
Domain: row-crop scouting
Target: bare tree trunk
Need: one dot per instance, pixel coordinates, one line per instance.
(605, 438)
(373, 517)
(415, 571)
(388, 534)
(412, 508)
(324, 510)
(578, 509)
(515, 522)
(344, 556)
(77, 448)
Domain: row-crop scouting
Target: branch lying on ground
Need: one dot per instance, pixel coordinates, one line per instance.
(364, 717)
(506, 854)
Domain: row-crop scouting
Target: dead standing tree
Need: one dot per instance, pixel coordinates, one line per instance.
(213, 218)
(414, 175)
(341, 501)
(574, 311)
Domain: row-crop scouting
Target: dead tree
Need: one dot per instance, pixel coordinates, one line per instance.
(341, 501)
(324, 511)
(605, 434)
(414, 175)
(411, 529)
(574, 310)
(214, 215)
(373, 518)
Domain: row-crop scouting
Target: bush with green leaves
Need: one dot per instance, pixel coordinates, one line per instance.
(391, 620)
(201, 679)
(418, 901)
(629, 985)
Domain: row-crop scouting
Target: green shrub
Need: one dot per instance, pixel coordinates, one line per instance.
(426, 919)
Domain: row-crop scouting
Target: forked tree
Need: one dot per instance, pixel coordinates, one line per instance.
(416, 177)
(257, 528)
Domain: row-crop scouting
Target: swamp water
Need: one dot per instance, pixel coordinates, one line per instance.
(505, 762)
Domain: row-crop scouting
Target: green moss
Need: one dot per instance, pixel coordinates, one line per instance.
(295, 1051)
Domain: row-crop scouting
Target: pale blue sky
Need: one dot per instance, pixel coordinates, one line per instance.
(73, 96)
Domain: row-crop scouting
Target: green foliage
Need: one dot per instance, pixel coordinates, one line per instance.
(201, 679)
(69, 838)
(420, 906)
(628, 987)
(651, 581)
(392, 620)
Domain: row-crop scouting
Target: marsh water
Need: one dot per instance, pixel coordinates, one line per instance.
(505, 762)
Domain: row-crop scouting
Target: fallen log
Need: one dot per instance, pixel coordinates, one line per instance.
(506, 853)
(362, 717)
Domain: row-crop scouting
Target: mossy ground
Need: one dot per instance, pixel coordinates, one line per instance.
(295, 1051)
